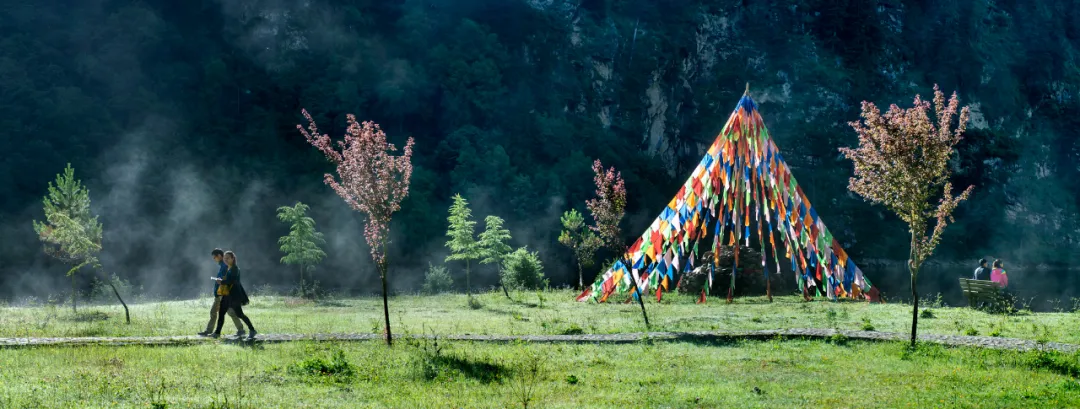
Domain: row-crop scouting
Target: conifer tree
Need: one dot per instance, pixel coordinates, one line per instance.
(71, 233)
(301, 245)
(494, 247)
(463, 245)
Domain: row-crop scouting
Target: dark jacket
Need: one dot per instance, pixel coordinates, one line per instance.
(233, 288)
(980, 272)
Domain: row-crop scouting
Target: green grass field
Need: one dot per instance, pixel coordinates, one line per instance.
(557, 314)
(426, 374)
(791, 373)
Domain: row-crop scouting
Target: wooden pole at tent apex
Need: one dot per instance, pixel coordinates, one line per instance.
(747, 92)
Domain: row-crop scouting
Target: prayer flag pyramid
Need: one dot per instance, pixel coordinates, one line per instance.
(740, 184)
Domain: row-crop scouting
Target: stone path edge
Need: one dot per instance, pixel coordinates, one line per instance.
(699, 336)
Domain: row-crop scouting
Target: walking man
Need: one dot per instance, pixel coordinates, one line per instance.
(218, 254)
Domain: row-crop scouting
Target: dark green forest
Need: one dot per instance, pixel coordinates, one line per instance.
(181, 118)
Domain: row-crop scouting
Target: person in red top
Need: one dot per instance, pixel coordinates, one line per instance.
(998, 275)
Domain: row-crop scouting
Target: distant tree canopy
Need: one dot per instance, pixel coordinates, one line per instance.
(510, 101)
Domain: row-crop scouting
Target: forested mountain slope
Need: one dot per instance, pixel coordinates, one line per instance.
(180, 116)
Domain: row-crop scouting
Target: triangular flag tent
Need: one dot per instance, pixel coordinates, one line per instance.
(742, 183)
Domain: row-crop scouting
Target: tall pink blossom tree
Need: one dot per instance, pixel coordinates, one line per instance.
(607, 210)
(901, 162)
(370, 179)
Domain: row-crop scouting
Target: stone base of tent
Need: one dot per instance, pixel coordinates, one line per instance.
(749, 280)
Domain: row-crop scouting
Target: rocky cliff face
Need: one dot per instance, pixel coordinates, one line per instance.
(668, 75)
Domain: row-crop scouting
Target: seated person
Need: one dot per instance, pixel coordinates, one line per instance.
(998, 275)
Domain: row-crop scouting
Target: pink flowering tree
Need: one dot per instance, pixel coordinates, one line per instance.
(902, 162)
(370, 179)
(609, 206)
(607, 210)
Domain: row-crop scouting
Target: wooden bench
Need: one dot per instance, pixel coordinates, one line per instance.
(980, 290)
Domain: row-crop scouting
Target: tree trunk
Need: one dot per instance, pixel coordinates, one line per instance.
(580, 277)
(913, 268)
(768, 288)
(468, 287)
(731, 286)
(385, 303)
(303, 288)
(503, 284)
(915, 306)
(127, 314)
(73, 295)
(641, 302)
(505, 291)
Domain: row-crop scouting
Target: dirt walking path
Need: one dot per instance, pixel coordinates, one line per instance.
(699, 336)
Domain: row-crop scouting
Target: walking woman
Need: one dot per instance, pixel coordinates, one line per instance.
(233, 296)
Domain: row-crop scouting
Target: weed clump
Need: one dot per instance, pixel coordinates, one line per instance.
(867, 325)
(839, 339)
(475, 303)
(573, 329)
(336, 368)
(1054, 361)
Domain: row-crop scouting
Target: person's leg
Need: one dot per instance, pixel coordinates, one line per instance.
(213, 315)
(236, 322)
(240, 313)
(222, 307)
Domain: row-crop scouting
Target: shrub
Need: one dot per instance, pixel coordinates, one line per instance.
(437, 280)
(522, 270)
(927, 313)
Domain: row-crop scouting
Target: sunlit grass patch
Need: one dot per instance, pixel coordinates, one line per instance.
(419, 374)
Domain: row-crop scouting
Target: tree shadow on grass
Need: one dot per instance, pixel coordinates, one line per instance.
(710, 340)
(87, 332)
(255, 344)
(483, 371)
(499, 311)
